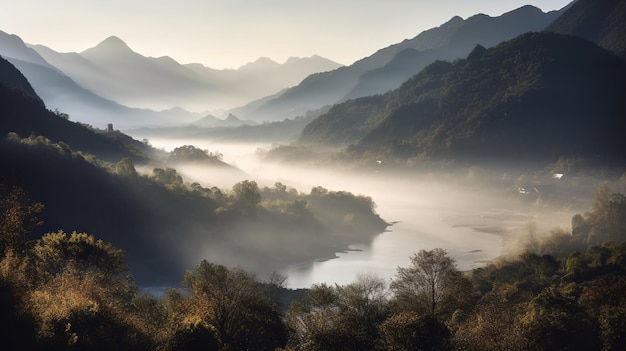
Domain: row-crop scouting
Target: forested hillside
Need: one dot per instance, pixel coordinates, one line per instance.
(387, 68)
(601, 22)
(88, 181)
(537, 97)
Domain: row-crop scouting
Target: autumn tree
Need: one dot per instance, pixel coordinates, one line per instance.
(428, 281)
(236, 305)
(82, 294)
(408, 331)
(492, 325)
(18, 216)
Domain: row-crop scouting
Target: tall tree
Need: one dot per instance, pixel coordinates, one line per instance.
(428, 280)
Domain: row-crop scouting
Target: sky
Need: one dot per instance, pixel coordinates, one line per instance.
(230, 33)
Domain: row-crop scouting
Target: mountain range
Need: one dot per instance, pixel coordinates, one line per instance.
(98, 85)
(60, 92)
(387, 68)
(113, 70)
(536, 97)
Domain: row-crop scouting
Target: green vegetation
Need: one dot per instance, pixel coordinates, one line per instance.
(75, 292)
(528, 99)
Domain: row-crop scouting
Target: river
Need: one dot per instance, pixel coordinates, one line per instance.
(425, 213)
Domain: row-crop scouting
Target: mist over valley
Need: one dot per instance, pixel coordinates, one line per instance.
(271, 197)
(443, 156)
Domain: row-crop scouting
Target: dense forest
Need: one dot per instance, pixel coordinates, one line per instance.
(75, 292)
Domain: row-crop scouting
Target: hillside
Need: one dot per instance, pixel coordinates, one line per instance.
(25, 114)
(387, 69)
(87, 181)
(601, 22)
(14, 80)
(536, 97)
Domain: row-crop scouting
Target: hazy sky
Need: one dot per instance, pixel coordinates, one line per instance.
(230, 33)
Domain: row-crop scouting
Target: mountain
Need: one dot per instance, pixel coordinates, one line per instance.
(13, 80)
(389, 67)
(24, 113)
(601, 22)
(457, 38)
(132, 79)
(534, 98)
(59, 91)
(214, 122)
(113, 70)
(13, 46)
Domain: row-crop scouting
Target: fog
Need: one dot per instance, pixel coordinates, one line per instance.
(474, 221)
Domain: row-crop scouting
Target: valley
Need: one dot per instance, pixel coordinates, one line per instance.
(459, 189)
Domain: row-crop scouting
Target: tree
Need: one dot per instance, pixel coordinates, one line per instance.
(55, 252)
(246, 196)
(82, 294)
(493, 325)
(168, 177)
(237, 306)
(428, 279)
(608, 215)
(314, 320)
(554, 320)
(18, 216)
(344, 317)
(363, 305)
(407, 331)
(125, 168)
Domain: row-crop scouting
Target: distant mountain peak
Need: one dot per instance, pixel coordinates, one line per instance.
(232, 118)
(455, 19)
(14, 47)
(293, 59)
(113, 41)
(261, 62)
(264, 60)
(112, 44)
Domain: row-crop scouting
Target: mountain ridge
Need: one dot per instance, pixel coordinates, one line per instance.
(331, 87)
(510, 101)
(113, 70)
(601, 22)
